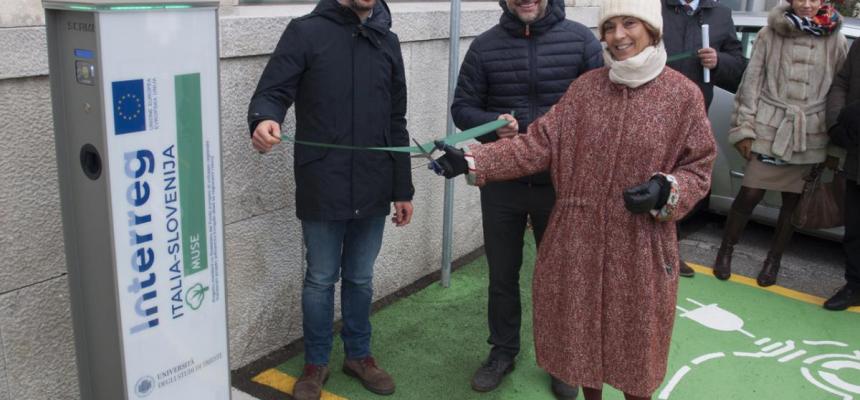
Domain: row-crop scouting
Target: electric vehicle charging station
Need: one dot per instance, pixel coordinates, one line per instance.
(134, 87)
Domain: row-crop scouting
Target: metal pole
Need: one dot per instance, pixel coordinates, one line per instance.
(453, 72)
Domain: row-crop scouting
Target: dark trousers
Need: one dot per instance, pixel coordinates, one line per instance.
(851, 242)
(505, 208)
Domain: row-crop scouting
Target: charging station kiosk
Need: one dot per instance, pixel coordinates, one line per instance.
(134, 87)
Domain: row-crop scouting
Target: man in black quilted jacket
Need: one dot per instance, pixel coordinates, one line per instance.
(516, 71)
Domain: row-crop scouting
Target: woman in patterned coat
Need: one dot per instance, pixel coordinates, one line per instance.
(606, 278)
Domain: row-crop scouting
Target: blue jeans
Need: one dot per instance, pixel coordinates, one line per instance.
(347, 249)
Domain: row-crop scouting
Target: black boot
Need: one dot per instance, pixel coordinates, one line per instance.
(844, 298)
(563, 391)
(686, 270)
(735, 225)
(489, 375)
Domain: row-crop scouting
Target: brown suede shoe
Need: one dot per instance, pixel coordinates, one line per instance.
(310, 384)
(372, 377)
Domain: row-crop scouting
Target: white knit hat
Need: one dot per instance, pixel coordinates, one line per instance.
(648, 11)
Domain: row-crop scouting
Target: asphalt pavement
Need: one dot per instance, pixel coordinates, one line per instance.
(810, 265)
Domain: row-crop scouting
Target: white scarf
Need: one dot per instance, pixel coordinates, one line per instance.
(639, 69)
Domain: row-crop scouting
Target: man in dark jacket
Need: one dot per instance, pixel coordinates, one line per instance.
(343, 69)
(843, 118)
(524, 64)
(682, 32)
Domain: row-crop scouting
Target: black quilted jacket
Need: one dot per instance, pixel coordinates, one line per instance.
(525, 69)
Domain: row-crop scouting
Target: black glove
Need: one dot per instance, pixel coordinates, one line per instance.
(453, 163)
(651, 195)
(849, 122)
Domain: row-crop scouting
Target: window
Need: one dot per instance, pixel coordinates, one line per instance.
(747, 34)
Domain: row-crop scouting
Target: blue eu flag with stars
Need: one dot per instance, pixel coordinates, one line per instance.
(129, 109)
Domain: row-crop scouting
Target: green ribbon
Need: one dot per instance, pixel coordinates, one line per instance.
(452, 140)
(682, 56)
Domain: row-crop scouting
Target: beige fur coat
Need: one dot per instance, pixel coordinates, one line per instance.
(782, 97)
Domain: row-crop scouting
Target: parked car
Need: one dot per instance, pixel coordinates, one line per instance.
(729, 166)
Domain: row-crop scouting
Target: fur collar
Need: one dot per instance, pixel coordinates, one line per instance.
(782, 27)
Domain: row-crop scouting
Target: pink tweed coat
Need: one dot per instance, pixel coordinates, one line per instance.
(606, 280)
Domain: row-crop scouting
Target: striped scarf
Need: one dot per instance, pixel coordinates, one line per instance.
(822, 24)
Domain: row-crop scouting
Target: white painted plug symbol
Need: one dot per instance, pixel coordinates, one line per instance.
(713, 317)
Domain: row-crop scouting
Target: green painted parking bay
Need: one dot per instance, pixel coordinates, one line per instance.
(732, 340)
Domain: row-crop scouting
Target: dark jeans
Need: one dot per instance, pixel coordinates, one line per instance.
(335, 249)
(851, 242)
(505, 208)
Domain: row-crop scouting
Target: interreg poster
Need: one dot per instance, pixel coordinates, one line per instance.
(160, 87)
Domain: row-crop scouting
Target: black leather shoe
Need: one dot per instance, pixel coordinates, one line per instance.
(563, 391)
(490, 375)
(686, 271)
(844, 298)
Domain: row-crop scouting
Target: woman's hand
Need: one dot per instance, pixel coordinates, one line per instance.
(651, 195)
(745, 148)
(453, 163)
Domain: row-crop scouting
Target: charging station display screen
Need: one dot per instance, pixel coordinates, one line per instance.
(160, 88)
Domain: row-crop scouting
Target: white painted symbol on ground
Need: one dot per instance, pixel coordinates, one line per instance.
(822, 375)
(833, 362)
(714, 317)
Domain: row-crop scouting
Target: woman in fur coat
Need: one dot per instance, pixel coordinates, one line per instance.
(779, 124)
(625, 164)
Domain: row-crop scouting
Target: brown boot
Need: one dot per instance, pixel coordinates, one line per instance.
(784, 230)
(723, 264)
(372, 377)
(735, 225)
(310, 384)
(769, 271)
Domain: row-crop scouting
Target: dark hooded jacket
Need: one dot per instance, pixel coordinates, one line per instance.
(525, 69)
(844, 125)
(348, 84)
(683, 33)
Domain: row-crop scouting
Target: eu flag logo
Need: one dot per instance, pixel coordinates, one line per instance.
(129, 107)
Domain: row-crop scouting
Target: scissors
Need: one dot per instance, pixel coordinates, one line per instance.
(433, 165)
